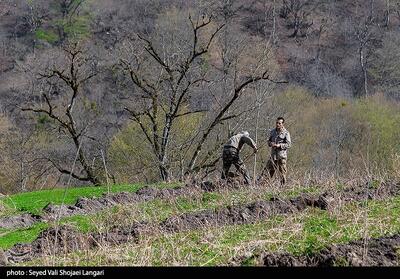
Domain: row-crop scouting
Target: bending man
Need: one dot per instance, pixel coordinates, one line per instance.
(230, 154)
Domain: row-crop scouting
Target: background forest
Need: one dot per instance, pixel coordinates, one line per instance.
(118, 91)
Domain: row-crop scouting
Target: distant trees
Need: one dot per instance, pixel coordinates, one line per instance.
(364, 36)
(297, 13)
(56, 20)
(384, 67)
(70, 24)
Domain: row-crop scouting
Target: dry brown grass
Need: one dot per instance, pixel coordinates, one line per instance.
(299, 232)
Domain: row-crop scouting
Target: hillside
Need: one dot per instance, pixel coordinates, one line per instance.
(115, 116)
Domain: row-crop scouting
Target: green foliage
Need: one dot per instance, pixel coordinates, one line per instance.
(385, 69)
(78, 28)
(91, 105)
(379, 126)
(65, 24)
(46, 35)
(338, 135)
(43, 118)
(43, 122)
(130, 155)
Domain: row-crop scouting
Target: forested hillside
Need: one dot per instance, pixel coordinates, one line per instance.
(115, 91)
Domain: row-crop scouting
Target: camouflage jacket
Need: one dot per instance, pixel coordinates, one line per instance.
(238, 140)
(283, 138)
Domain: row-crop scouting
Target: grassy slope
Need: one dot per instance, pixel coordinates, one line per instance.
(300, 233)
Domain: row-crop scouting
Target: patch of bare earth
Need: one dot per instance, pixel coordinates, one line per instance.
(380, 251)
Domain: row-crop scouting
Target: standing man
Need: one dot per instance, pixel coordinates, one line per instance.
(279, 141)
(230, 155)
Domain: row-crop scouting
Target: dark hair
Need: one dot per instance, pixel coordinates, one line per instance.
(281, 118)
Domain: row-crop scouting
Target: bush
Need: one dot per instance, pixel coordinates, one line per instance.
(378, 123)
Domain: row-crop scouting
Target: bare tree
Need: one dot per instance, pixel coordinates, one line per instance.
(167, 95)
(297, 13)
(363, 34)
(368, 38)
(78, 71)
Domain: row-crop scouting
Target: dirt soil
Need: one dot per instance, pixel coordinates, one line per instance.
(65, 239)
(383, 251)
(19, 221)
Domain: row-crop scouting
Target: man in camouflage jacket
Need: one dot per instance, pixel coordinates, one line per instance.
(279, 141)
(230, 155)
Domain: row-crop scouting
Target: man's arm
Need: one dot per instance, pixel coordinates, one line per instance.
(250, 142)
(288, 142)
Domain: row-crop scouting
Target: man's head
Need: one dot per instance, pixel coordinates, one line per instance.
(279, 123)
(245, 133)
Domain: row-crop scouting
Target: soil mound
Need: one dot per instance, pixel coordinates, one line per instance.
(370, 252)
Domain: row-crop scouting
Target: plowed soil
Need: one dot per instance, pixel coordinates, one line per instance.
(64, 239)
(381, 251)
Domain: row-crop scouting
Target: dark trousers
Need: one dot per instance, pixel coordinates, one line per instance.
(230, 156)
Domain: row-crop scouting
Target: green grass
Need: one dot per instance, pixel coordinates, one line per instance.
(162, 209)
(374, 218)
(309, 190)
(82, 223)
(301, 233)
(155, 210)
(7, 240)
(35, 201)
(79, 28)
(158, 209)
(319, 227)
